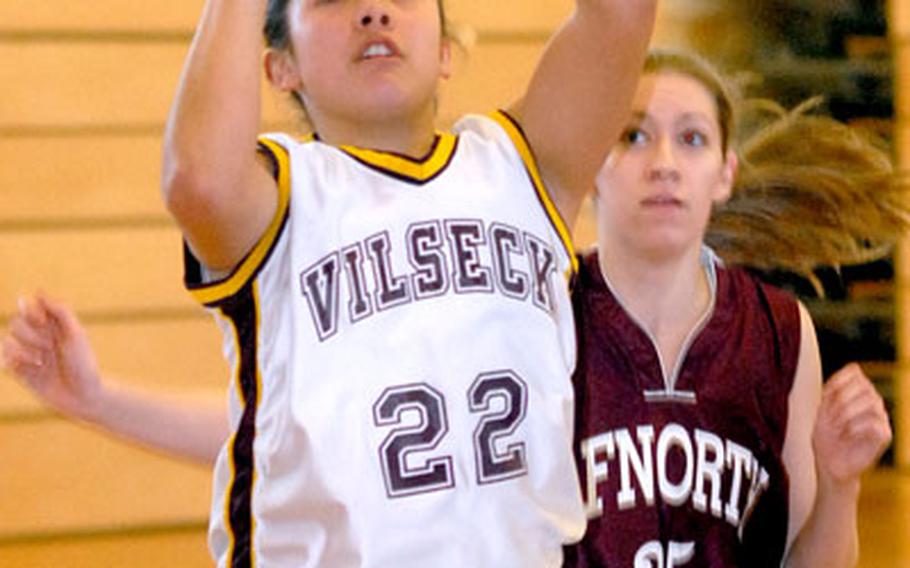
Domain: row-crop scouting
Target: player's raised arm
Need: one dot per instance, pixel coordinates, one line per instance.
(578, 98)
(212, 181)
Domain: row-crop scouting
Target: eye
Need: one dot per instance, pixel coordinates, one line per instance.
(634, 137)
(694, 138)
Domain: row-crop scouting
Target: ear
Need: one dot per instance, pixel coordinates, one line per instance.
(727, 178)
(445, 58)
(281, 71)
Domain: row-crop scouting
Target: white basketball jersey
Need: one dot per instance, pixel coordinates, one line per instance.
(402, 345)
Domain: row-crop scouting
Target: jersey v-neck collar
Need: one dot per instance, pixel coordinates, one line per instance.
(417, 171)
(671, 392)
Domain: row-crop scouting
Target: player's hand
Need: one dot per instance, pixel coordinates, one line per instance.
(49, 351)
(852, 429)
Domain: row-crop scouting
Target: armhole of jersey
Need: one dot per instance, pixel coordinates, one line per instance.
(789, 324)
(210, 294)
(793, 359)
(517, 136)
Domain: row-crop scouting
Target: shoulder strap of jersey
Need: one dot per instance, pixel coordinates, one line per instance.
(520, 141)
(213, 293)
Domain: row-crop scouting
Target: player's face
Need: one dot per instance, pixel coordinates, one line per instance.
(366, 60)
(659, 183)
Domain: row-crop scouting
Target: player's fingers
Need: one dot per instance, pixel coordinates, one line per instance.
(61, 315)
(871, 431)
(21, 360)
(846, 392)
(31, 336)
(865, 401)
(867, 422)
(845, 374)
(32, 312)
(845, 379)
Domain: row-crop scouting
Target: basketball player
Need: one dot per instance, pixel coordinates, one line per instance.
(394, 298)
(699, 438)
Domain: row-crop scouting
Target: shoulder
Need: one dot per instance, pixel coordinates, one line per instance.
(745, 286)
(496, 128)
(484, 126)
(588, 277)
(592, 300)
(775, 316)
(277, 143)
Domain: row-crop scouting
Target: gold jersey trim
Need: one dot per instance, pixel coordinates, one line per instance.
(518, 138)
(405, 168)
(209, 294)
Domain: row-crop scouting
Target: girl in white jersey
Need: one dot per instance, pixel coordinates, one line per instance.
(394, 298)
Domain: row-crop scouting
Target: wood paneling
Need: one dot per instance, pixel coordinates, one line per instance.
(181, 547)
(93, 15)
(899, 19)
(487, 77)
(95, 269)
(141, 16)
(62, 476)
(899, 24)
(52, 85)
(77, 177)
(99, 86)
(884, 520)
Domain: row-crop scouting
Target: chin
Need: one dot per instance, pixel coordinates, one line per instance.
(388, 102)
(667, 247)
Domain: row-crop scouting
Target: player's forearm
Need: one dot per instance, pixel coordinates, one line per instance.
(579, 97)
(620, 30)
(191, 427)
(210, 136)
(829, 537)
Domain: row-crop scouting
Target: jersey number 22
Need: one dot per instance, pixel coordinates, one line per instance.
(433, 474)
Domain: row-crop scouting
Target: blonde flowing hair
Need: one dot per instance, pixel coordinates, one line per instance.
(811, 191)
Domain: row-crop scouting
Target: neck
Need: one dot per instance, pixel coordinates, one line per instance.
(410, 135)
(667, 294)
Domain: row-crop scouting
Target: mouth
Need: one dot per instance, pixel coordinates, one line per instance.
(663, 201)
(379, 49)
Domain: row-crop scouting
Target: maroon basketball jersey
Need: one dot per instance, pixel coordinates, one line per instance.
(684, 471)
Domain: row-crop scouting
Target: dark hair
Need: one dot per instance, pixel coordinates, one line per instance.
(275, 29)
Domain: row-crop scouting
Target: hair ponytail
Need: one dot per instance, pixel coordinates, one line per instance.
(811, 192)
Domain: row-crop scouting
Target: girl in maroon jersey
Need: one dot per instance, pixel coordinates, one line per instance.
(704, 435)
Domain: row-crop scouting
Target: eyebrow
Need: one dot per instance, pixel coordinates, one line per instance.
(693, 115)
(641, 116)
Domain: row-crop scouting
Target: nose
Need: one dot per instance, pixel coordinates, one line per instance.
(374, 14)
(663, 165)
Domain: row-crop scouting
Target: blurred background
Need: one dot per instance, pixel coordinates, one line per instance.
(85, 91)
